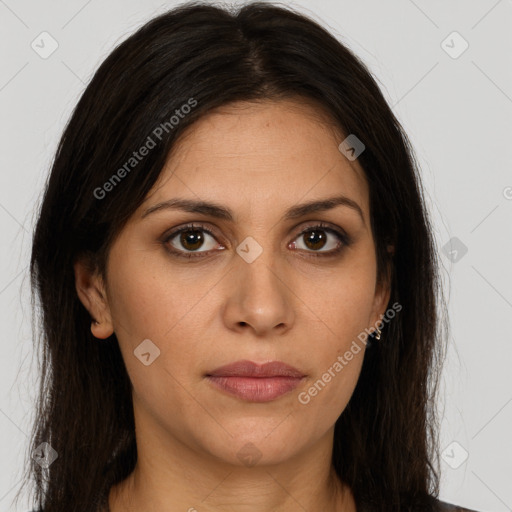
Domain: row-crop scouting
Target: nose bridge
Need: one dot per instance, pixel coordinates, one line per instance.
(259, 266)
(261, 292)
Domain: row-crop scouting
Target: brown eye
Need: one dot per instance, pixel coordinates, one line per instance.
(191, 239)
(315, 238)
(188, 240)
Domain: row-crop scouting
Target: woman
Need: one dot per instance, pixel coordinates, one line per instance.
(237, 279)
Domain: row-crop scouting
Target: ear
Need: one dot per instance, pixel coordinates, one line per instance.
(383, 290)
(92, 293)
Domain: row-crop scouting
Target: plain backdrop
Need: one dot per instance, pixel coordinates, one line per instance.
(443, 66)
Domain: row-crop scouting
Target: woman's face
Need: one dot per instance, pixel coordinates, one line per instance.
(255, 288)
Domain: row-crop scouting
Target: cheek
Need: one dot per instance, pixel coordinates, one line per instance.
(342, 298)
(343, 306)
(152, 300)
(149, 304)
(335, 364)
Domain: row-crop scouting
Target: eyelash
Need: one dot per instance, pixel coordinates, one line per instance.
(342, 237)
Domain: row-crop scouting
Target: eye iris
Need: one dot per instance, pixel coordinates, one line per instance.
(316, 239)
(192, 237)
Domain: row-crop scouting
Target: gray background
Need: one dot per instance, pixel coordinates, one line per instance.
(457, 112)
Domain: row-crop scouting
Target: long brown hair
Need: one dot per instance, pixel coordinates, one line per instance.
(385, 445)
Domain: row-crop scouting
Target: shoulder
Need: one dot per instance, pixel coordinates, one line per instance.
(448, 507)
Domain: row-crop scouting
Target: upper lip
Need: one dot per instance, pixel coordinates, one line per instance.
(246, 368)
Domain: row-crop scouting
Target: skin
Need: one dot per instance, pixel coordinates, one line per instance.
(258, 159)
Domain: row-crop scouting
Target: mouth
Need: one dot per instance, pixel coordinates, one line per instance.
(254, 382)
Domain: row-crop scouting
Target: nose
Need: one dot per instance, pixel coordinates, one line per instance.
(258, 298)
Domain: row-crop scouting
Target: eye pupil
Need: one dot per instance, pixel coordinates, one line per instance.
(192, 237)
(316, 239)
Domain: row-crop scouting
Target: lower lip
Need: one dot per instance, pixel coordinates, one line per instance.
(256, 389)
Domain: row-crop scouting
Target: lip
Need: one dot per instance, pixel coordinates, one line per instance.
(246, 368)
(255, 382)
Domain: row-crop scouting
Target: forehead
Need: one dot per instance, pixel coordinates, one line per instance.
(261, 157)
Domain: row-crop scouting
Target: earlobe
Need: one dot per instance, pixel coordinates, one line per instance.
(92, 295)
(101, 331)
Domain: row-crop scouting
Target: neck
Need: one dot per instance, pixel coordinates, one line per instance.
(170, 476)
(232, 493)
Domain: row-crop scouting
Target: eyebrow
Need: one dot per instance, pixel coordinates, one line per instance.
(221, 212)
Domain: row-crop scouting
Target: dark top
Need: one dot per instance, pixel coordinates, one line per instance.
(447, 507)
(440, 506)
